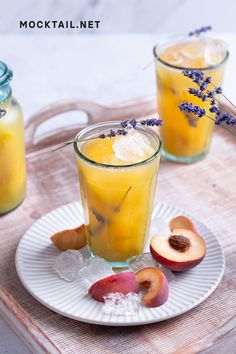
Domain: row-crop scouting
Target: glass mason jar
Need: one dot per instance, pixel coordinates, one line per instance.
(185, 139)
(12, 149)
(117, 200)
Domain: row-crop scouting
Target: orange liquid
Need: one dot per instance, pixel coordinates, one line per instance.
(12, 157)
(117, 201)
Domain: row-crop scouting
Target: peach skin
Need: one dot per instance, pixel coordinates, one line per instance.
(156, 284)
(73, 239)
(182, 250)
(123, 283)
(182, 222)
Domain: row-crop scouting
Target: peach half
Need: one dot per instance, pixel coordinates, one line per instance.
(123, 283)
(182, 250)
(181, 222)
(156, 285)
(73, 239)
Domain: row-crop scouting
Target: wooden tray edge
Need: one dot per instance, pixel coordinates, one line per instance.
(23, 325)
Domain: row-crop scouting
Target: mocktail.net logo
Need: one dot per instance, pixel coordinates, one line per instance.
(56, 24)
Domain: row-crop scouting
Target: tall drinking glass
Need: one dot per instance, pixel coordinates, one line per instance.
(186, 139)
(117, 197)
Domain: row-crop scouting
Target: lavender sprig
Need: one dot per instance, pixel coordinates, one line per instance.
(220, 116)
(207, 95)
(152, 122)
(198, 77)
(131, 124)
(190, 108)
(126, 125)
(199, 31)
(197, 93)
(113, 133)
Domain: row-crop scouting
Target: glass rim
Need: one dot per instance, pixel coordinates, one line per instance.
(102, 165)
(180, 68)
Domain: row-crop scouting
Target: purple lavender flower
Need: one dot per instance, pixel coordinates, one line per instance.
(203, 85)
(214, 109)
(196, 75)
(112, 133)
(213, 102)
(218, 90)
(222, 117)
(229, 119)
(208, 80)
(199, 31)
(188, 73)
(124, 123)
(121, 132)
(131, 124)
(152, 122)
(199, 78)
(190, 108)
(102, 136)
(197, 93)
(210, 93)
(143, 121)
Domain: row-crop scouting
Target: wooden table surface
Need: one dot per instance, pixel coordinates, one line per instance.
(204, 189)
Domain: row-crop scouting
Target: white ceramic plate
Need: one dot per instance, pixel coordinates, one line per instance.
(35, 256)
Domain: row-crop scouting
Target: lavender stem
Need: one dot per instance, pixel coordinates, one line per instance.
(222, 125)
(224, 96)
(73, 141)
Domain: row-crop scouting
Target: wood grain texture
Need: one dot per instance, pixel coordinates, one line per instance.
(23, 324)
(95, 113)
(205, 189)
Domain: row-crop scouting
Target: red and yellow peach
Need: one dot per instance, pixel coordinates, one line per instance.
(182, 250)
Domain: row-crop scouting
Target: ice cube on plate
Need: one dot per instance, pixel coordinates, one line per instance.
(143, 261)
(68, 264)
(120, 304)
(146, 260)
(133, 147)
(94, 269)
(168, 273)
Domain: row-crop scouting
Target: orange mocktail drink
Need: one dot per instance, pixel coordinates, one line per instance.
(12, 148)
(186, 139)
(117, 181)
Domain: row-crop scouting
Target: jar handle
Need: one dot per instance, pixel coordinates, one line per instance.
(95, 113)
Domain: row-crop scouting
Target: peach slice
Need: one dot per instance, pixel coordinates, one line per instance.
(73, 239)
(123, 283)
(156, 284)
(182, 250)
(182, 222)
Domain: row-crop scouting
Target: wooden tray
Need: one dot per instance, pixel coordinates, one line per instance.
(206, 189)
